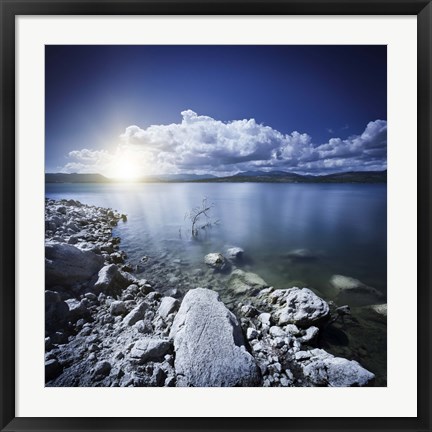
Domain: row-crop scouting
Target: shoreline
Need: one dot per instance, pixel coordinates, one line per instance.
(107, 327)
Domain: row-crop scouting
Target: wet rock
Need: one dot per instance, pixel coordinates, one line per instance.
(235, 253)
(209, 345)
(242, 282)
(67, 265)
(380, 309)
(216, 261)
(354, 291)
(301, 254)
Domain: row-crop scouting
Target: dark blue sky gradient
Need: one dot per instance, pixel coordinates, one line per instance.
(94, 92)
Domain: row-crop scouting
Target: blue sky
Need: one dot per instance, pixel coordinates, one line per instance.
(218, 109)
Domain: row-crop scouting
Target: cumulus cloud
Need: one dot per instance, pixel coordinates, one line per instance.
(200, 144)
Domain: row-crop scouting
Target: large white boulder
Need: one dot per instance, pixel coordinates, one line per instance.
(209, 345)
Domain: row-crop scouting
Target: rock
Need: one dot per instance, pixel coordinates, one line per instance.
(265, 319)
(52, 369)
(303, 308)
(249, 311)
(343, 310)
(234, 253)
(310, 335)
(67, 265)
(251, 333)
(301, 255)
(323, 368)
(209, 345)
(90, 296)
(147, 349)
(380, 309)
(216, 261)
(292, 329)
(102, 369)
(354, 291)
(242, 282)
(135, 314)
(111, 280)
(168, 305)
(77, 309)
(276, 331)
(302, 355)
(117, 308)
(61, 209)
(52, 297)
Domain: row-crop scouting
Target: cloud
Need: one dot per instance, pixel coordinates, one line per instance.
(200, 144)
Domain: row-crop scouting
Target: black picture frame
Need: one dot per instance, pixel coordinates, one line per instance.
(11, 8)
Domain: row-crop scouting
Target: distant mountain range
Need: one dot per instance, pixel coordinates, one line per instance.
(242, 177)
(75, 178)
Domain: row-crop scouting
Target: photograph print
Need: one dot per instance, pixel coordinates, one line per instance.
(215, 215)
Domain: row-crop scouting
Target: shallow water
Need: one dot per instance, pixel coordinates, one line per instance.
(341, 228)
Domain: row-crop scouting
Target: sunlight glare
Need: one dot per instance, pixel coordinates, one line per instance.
(126, 168)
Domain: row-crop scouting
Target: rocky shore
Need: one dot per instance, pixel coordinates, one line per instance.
(107, 326)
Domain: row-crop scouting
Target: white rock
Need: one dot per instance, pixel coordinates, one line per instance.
(135, 314)
(325, 369)
(168, 305)
(216, 261)
(234, 253)
(209, 345)
(303, 308)
(251, 333)
(111, 280)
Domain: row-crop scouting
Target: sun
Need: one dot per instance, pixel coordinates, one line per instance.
(125, 168)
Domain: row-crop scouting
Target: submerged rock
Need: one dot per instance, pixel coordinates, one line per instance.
(209, 346)
(67, 265)
(301, 255)
(353, 290)
(234, 253)
(242, 282)
(380, 309)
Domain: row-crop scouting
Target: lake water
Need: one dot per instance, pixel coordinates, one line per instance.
(342, 229)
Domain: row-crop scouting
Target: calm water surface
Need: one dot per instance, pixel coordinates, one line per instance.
(342, 227)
